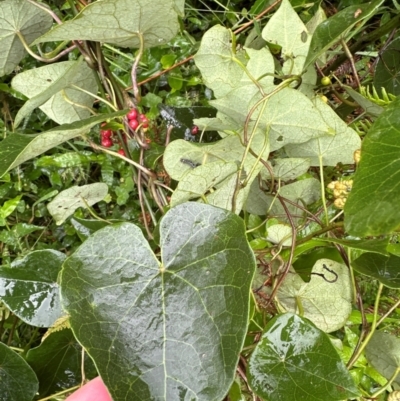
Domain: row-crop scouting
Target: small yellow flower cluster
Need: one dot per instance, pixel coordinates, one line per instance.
(340, 190)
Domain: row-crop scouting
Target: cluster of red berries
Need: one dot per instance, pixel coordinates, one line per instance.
(135, 120)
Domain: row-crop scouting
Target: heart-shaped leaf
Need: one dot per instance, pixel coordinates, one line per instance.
(170, 330)
(29, 287)
(328, 150)
(17, 148)
(18, 381)
(383, 353)
(286, 29)
(51, 88)
(23, 18)
(296, 361)
(325, 300)
(57, 362)
(372, 206)
(120, 22)
(216, 50)
(67, 201)
(383, 268)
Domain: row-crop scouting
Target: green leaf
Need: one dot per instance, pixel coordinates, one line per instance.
(376, 245)
(328, 150)
(121, 22)
(325, 300)
(67, 201)
(23, 17)
(339, 26)
(9, 207)
(170, 330)
(383, 353)
(17, 148)
(29, 287)
(215, 60)
(383, 268)
(372, 206)
(85, 228)
(296, 361)
(52, 89)
(370, 107)
(387, 72)
(57, 363)
(18, 381)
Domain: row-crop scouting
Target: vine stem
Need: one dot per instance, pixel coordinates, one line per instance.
(68, 390)
(374, 324)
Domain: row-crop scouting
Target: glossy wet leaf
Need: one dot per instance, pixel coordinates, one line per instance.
(296, 361)
(18, 381)
(23, 17)
(120, 22)
(17, 148)
(173, 329)
(67, 201)
(29, 287)
(52, 89)
(328, 150)
(338, 26)
(372, 207)
(383, 353)
(386, 269)
(325, 300)
(387, 71)
(57, 363)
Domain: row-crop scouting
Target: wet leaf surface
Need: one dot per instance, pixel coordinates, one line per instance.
(168, 330)
(296, 361)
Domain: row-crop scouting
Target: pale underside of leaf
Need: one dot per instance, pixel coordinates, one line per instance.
(121, 22)
(66, 104)
(325, 300)
(19, 16)
(67, 201)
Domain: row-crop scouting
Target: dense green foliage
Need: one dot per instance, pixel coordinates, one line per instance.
(199, 200)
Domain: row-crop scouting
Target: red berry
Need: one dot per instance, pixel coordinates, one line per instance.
(107, 142)
(145, 123)
(121, 152)
(133, 124)
(142, 117)
(195, 130)
(106, 134)
(132, 114)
